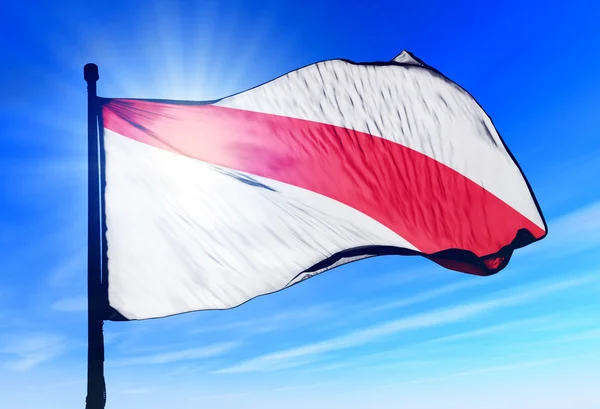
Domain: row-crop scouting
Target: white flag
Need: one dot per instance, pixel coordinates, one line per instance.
(209, 205)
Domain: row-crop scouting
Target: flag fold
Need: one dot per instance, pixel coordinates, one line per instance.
(210, 204)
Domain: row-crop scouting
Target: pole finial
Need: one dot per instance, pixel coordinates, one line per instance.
(90, 73)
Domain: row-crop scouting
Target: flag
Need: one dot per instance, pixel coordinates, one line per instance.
(210, 204)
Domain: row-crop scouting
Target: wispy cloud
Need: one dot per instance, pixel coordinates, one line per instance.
(301, 387)
(270, 323)
(395, 358)
(584, 335)
(491, 329)
(70, 268)
(400, 277)
(401, 364)
(572, 233)
(178, 356)
(397, 355)
(28, 351)
(63, 383)
(457, 313)
(573, 321)
(430, 294)
(73, 304)
(111, 336)
(220, 396)
(489, 369)
(139, 391)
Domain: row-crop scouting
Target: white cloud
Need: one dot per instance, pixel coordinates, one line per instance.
(572, 233)
(574, 321)
(69, 269)
(177, 356)
(572, 337)
(400, 277)
(28, 351)
(220, 396)
(457, 313)
(402, 364)
(73, 304)
(495, 368)
(431, 294)
(492, 329)
(135, 391)
(111, 336)
(62, 384)
(394, 358)
(301, 387)
(294, 318)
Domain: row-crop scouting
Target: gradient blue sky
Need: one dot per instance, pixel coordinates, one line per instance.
(383, 333)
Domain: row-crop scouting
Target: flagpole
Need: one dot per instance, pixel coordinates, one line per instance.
(95, 369)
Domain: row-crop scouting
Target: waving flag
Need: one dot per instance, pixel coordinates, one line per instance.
(210, 204)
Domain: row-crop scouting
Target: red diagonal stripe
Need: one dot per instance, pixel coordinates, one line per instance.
(426, 202)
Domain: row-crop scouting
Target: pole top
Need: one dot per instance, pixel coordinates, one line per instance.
(90, 73)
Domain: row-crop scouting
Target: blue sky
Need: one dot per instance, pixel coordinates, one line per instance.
(387, 332)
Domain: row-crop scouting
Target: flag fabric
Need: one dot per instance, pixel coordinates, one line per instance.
(210, 204)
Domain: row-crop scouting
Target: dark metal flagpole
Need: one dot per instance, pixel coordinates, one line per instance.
(96, 396)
